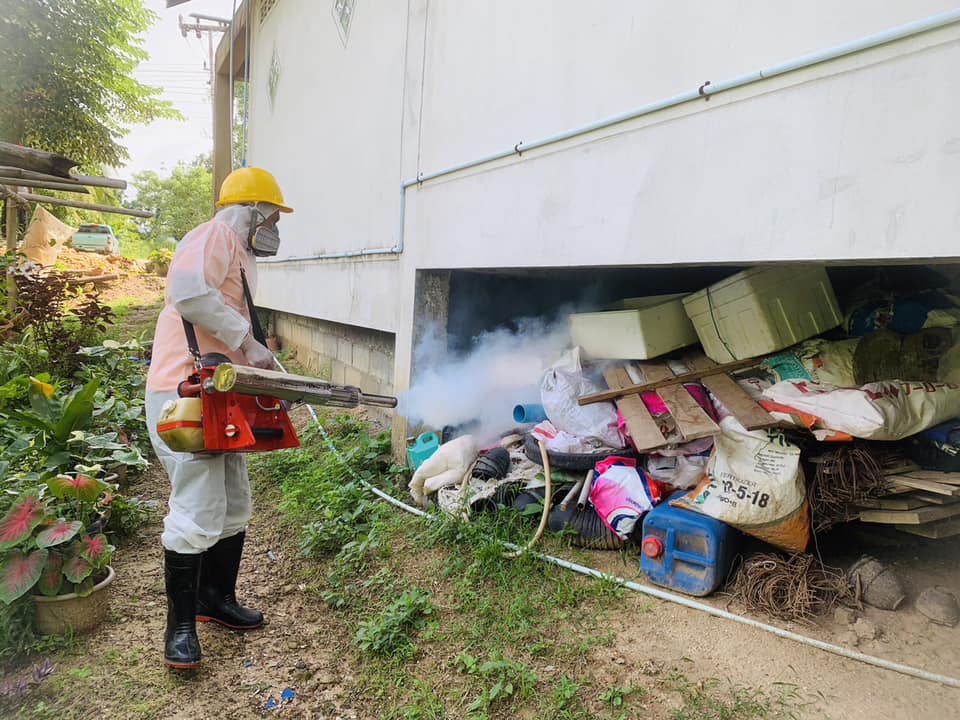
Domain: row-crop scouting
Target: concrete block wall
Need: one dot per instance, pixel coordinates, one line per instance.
(341, 354)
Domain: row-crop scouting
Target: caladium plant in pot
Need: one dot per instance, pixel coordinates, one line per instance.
(52, 547)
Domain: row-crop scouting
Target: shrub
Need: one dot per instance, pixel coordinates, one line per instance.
(54, 319)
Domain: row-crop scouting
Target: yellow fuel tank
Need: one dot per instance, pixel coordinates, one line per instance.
(181, 424)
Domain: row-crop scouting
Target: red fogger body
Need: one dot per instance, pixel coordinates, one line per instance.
(235, 408)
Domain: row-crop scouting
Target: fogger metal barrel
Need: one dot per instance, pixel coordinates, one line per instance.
(295, 388)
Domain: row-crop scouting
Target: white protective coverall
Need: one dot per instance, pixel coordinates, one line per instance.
(210, 494)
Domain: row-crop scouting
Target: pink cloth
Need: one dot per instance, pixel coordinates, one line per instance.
(622, 494)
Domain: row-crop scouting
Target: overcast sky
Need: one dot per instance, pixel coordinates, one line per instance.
(180, 66)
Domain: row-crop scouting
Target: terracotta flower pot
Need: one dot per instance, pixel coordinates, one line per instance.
(61, 614)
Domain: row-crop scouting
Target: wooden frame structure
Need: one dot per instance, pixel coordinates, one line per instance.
(24, 167)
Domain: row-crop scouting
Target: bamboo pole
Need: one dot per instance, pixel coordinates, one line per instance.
(11, 231)
(45, 184)
(96, 181)
(91, 180)
(30, 197)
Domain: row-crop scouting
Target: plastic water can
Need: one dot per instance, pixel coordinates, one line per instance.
(425, 446)
(686, 551)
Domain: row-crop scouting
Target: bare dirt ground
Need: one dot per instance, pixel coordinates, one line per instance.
(134, 281)
(240, 672)
(305, 648)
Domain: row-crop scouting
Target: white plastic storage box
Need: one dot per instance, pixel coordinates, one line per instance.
(644, 328)
(763, 310)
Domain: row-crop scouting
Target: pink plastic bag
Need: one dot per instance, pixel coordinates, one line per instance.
(622, 494)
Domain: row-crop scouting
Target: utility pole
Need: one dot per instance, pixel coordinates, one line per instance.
(197, 26)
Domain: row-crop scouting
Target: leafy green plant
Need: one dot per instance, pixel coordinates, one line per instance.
(389, 633)
(127, 515)
(119, 404)
(158, 261)
(162, 256)
(54, 434)
(50, 539)
(615, 696)
(42, 43)
(509, 679)
(55, 319)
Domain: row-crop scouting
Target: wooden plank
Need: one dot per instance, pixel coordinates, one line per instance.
(900, 468)
(83, 279)
(40, 161)
(734, 398)
(921, 484)
(643, 428)
(908, 501)
(655, 372)
(692, 421)
(896, 490)
(910, 517)
(935, 499)
(944, 478)
(652, 385)
(934, 530)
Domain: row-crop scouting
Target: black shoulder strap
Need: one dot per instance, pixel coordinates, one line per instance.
(254, 318)
(192, 343)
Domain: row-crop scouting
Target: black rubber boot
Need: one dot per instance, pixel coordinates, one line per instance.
(181, 648)
(217, 597)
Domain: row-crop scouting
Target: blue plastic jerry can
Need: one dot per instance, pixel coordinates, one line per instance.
(686, 551)
(424, 446)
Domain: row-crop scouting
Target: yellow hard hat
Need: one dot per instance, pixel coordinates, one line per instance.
(251, 185)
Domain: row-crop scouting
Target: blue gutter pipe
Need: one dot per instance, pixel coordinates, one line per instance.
(704, 91)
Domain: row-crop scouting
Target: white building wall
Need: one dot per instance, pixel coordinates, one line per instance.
(332, 138)
(856, 159)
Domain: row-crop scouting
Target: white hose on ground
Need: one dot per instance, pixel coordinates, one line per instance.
(669, 597)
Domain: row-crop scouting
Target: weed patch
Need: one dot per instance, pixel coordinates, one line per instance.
(390, 633)
(502, 680)
(713, 700)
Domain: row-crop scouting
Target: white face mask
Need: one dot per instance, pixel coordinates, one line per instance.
(263, 241)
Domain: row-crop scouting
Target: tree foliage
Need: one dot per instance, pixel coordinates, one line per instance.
(182, 200)
(66, 76)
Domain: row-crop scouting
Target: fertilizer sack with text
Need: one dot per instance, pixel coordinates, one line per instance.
(755, 483)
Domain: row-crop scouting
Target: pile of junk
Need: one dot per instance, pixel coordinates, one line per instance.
(759, 408)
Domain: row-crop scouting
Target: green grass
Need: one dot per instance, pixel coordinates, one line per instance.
(437, 623)
(717, 700)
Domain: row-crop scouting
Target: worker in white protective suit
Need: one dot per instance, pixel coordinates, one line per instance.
(203, 532)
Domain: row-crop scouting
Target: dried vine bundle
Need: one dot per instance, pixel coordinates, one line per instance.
(798, 587)
(843, 478)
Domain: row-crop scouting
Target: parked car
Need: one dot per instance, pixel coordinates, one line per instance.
(96, 238)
